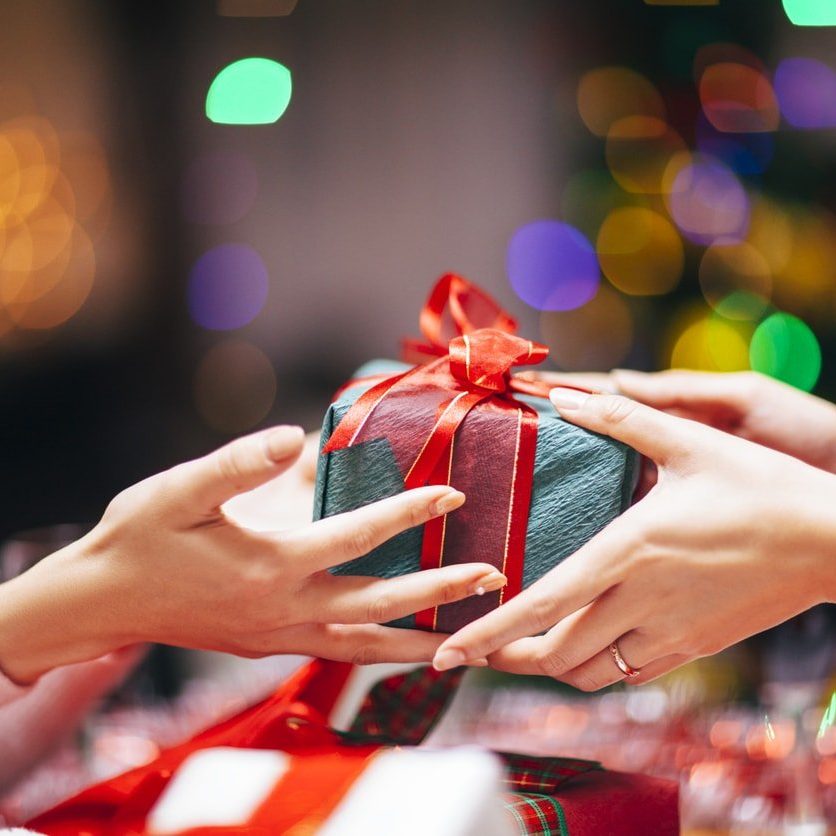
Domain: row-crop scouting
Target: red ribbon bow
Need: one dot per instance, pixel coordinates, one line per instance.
(453, 420)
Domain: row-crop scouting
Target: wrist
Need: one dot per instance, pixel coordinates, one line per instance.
(817, 530)
(57, 613)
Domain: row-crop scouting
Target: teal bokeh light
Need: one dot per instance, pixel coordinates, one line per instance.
(250, 91)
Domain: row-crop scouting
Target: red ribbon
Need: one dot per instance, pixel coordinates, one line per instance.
(453, 420)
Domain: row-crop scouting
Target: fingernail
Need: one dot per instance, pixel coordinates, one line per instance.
(447, 503)
(448, 658)
(281, 442)
(488, 583)
(567, 398)
(478, 663)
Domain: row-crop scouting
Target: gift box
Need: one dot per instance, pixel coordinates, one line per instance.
(278, 767)
(537, 487)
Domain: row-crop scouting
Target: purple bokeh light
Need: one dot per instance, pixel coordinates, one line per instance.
(219, 187)
(227, 287)
(806, 91)
(708, 203)
(552, 266)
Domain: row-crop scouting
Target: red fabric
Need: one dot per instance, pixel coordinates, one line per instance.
(622, 803)
(326, 763)
(436, 417)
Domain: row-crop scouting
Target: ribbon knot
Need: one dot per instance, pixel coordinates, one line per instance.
(484, 358)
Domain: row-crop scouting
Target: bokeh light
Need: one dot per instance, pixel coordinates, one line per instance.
(811, 12)
(552, 266)
(608, 94)
(743, 153)
(705, 199)
(806, 89)
(703, 340)
(735, 280)
(784, 347)
(737, 98)
(640, 252)
(234, 386)
(250, 91)
(596, 337)
(219, 187)
(638, 151)
(770, 232)
(589, 196)
(227, 287)
(724, 52)
(804, 285)
(53, 189)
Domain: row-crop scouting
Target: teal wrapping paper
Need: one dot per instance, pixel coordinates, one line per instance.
(582, 481)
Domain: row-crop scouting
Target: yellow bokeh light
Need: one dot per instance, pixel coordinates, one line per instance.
(595, 337)
(608, 94)
(638, 151)
(589, 196)
(736, 280)
(640, 252)
(234, 386)
(805, 285)
(770, 232)
(702, 340)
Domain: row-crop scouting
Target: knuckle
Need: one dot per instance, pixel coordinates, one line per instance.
(448, 592)
(541, 609)
(361, 540)
(379, 610)
(553, 663)
(366, 654)
(615, 409)
(229, 466)
(583, 681)
(416, 514)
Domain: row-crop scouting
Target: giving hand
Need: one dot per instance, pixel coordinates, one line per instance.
(734, 538)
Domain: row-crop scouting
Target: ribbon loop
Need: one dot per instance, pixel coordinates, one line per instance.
(484, 359)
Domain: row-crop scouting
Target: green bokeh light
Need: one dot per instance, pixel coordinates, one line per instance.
(811, 12)
(251, 91)
(784, 347)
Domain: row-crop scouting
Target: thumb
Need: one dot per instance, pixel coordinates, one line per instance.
(239, 466)
(654, 434)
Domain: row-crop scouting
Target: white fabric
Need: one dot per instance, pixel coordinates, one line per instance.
(410, 792)
(217, 787)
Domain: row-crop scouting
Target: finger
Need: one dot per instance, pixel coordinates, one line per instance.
(206, 483)
(596, 381)
(653, 433)
(584, 634)
(361, 600)
(343, 537)
(310, 456)
(365, 644)
(581, 578)
(679, 388)
(660, 667)
(602, 670)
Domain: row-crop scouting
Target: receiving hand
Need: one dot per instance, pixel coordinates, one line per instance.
(733, 539)
(746, 404)
(165, 564)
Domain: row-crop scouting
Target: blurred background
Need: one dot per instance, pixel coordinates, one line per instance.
(212, 212)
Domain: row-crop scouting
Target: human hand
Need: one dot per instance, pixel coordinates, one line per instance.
(733, 539)
(165, 564)
(746, 404)
(283, 502)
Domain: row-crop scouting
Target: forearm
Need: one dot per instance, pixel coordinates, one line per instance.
(57, 613)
